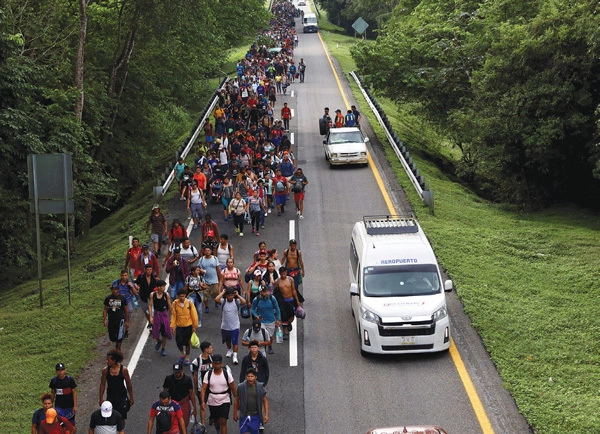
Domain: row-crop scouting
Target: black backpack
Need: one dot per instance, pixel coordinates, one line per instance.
(163, 422)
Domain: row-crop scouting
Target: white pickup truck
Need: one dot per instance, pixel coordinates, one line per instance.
(345, 145)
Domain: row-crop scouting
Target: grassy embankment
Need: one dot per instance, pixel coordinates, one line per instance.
(33, 340)
(529, 281)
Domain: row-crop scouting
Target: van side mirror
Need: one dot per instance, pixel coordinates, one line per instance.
(366, 140)
(448, 285)
(353, 289)
(324, 142)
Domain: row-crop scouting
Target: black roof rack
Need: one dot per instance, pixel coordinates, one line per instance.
(390, 224)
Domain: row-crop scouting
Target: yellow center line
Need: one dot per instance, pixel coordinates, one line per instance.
(476, 404)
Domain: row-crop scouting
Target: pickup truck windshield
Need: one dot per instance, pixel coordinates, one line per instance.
(349, 137)
(401, 281)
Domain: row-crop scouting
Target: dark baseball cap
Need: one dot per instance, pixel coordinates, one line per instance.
(177, 367)
(217, 358)
(60, 366)
(256, 324)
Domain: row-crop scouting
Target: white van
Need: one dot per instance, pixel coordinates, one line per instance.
(397, 295)
(309, 23)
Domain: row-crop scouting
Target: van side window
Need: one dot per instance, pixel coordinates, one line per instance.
(353, 259)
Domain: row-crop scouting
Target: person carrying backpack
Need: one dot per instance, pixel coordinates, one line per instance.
(259, 334)
(281, 188)
(167, 414)
(266, 310)
(217, 387)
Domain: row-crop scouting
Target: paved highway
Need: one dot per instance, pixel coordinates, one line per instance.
(331, 388)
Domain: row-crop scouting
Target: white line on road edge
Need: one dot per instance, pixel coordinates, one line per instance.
(293, 337)
(292, 138)
(135, 357)
(293, 113)
(292, 94)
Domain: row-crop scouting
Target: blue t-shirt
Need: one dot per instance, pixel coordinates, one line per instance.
(287, 169)
(124, 289)
(267, 308)
(210, 266)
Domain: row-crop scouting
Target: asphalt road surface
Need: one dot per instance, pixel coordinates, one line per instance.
(319, 381)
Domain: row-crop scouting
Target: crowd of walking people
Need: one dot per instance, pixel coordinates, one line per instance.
(245, 168)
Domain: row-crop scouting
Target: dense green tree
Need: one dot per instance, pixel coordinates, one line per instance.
(110, 81)
(512, 83)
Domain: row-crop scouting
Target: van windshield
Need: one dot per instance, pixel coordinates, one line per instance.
(401, 281)
(346, 137)
(310, 20)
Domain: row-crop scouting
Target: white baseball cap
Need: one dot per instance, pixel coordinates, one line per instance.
(106, 409)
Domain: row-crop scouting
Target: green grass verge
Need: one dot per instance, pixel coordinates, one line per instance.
(528, 281)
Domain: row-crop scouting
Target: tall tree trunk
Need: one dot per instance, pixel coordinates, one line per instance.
(83, 4)
(79, 65)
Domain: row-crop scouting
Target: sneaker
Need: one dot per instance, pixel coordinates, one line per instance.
(181, 359)
(298, 212)
(229, 353)
(163, 352)
(235, 360)
(269, 211)
(195, 226)
(262, 227)
(261, 427)
(252, 230)
(301, 216)
(257, 234)
(157, 346)
(241, 234)
(237, 229)
(182, 198)
(186, 362)
(270, 350)
(206, 309)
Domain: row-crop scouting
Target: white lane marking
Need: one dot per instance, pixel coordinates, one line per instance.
(190, 226)
(135, 357)
(292, 231)
(293, 337)
(293, 113)
(292, 94)
(292, 138)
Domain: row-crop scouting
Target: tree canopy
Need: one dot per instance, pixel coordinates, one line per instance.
(110, 81)
(513, 83)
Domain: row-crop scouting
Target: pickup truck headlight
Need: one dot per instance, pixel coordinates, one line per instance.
(439, 314)
(369, 316)
(334, 155)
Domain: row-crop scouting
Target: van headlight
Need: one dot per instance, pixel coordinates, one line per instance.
(440, 314)
(369, 316)
(334, 155)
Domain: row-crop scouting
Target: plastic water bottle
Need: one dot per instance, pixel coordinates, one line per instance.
(279, 335)
(134, 301)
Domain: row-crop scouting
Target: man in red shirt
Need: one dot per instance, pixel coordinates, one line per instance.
(286, 115)
(131, 259)
(200, 178)
(55, 424)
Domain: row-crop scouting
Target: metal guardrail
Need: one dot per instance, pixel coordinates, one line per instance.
(161, 190)
(417, 180)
